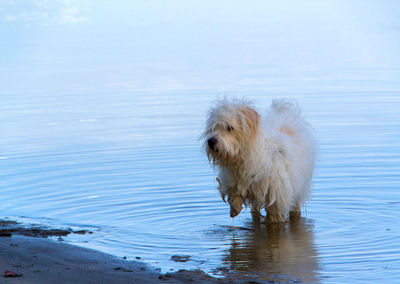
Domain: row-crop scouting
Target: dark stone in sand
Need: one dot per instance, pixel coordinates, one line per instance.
(180, 258)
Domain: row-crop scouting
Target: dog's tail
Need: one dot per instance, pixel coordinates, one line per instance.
(286, 107)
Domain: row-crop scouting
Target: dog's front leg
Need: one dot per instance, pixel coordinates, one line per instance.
(228, 186)
(236, 198)
(256, 214)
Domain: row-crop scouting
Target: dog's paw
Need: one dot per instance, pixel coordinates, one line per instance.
(236, 203)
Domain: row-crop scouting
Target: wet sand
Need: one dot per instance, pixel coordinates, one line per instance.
(29, 252)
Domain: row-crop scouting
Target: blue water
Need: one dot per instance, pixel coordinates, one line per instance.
(102, 105)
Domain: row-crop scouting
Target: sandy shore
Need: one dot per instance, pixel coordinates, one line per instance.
(41, 260)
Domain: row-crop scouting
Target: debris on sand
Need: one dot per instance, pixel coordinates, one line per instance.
(9, 273)
(9, 228)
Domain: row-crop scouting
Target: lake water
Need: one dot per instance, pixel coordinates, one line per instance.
(101, 108)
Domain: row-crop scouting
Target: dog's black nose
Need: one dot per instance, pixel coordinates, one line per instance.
(211, 142)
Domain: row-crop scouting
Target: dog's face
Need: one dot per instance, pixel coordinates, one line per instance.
(230, 132)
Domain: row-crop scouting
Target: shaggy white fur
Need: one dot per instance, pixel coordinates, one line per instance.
(264, 163)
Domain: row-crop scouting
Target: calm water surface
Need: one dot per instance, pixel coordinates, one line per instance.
(100, 122)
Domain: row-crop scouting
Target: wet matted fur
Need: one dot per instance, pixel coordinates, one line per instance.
(263, 163)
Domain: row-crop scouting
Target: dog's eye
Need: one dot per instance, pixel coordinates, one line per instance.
(229, 128)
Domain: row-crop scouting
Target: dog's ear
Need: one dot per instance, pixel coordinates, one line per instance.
(252, 121)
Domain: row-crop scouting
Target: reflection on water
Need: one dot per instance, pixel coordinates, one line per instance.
(274, 252)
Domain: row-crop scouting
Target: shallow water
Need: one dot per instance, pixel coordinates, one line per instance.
(103, 133)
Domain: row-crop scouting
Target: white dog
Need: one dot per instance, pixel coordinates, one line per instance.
(263, 163)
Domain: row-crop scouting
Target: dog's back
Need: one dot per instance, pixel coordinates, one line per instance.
(285, 127)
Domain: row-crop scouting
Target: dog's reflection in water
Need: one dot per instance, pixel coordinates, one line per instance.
(275, 251)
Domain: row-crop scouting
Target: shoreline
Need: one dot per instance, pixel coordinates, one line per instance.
(42, 260)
